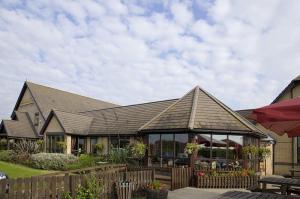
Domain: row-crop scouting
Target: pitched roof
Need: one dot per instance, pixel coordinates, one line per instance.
(21, 127)
(72, 123)
(50, 98)
(287, 88)
(200, 111)
(125, 119)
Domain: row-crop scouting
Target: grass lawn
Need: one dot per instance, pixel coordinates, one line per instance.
(19, 171)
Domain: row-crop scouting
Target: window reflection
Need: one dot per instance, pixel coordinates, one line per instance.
(181, 158)
(204, 142)
(219, 148)
(167, 149)
(235, 144)
(154, 148)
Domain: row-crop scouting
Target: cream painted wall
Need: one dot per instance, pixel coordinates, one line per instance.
(27, 104)
(284, 150)
(54, 126)
(68, 140)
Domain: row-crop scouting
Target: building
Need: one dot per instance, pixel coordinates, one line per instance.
(165, 126)
(286, 151)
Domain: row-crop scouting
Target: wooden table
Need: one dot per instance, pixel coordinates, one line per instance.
(285, 183)
(256, 195)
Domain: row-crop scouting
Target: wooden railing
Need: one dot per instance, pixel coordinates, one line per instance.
(181, 177)
(55, 186)
(227, 181)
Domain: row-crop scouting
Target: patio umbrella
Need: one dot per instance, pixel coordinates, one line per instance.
(282, 117)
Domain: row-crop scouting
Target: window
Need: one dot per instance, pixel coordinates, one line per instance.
(235, 145)
(181, 158)
(167, 149)
(93, 142)
(36, 119)
(119, 142)
(55, 143)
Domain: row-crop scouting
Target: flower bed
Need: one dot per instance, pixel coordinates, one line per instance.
(235, 179)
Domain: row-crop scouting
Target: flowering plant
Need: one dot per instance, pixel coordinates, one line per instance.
(191, 148)
(155, 185)
(200, 174)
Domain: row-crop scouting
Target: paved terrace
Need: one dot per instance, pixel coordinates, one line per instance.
(196, 193)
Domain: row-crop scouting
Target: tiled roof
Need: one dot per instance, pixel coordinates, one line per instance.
(199, 111)
(74, 123)
(125, 119)
(49, 98)
(21, 127)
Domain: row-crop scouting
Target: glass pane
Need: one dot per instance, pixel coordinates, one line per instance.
(219, 147)
(167, 142)
(235, 144)
(203, 158)
(81, 145)
(124, 142)
(154, 148)
(181, 158)
(93, 145)
(114, 142)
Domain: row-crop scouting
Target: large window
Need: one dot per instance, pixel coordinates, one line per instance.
(93, 142)
(216, 150)
(181, 158)
(55, 143)
(78, 145)
(154, 148)
(119, 142)
(167, 149)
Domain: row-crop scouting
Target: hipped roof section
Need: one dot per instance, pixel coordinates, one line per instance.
(200, 111)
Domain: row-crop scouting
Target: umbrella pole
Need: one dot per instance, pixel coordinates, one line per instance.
(293, 153)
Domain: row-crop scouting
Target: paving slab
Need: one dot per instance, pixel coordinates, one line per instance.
(196, 193)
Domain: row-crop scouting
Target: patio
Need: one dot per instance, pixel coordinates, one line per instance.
(195, 193)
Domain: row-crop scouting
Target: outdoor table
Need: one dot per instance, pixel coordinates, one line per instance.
(285, 183)
(293, 171)
(256, 195)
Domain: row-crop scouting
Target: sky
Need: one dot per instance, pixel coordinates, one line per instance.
(133, 51)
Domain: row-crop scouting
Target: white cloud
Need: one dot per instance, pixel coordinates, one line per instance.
(242, 52)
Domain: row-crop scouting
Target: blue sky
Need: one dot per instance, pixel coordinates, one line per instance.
(126, 52)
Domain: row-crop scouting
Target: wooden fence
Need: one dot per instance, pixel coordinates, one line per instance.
(227, 181)
(181, 177)
(54, 186)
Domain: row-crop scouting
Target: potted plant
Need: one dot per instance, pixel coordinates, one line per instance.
(155, 191)
(99, 148)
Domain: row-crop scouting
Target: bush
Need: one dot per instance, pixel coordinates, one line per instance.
(85, 161)
(52, 161)
(6, 155)
(118, 155)
(3, 144)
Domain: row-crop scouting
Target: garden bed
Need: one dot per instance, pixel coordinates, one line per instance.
(226, 181)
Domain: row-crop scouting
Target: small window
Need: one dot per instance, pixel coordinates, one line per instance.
(36, 119)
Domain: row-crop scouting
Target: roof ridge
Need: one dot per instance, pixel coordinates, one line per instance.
(168, 108)
(194, 108)
(129, 105)
(60, 90)
(230, 111)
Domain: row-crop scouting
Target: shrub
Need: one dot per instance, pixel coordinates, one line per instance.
(6, 155)
(99, 148)
(52, 161)
(23, 149)
(84, 161)
(3, 144)
(118, 155)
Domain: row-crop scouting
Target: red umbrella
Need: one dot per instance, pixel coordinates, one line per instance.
(282, 117)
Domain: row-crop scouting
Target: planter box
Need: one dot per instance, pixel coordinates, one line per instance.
(156, 194)
(227, 181)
